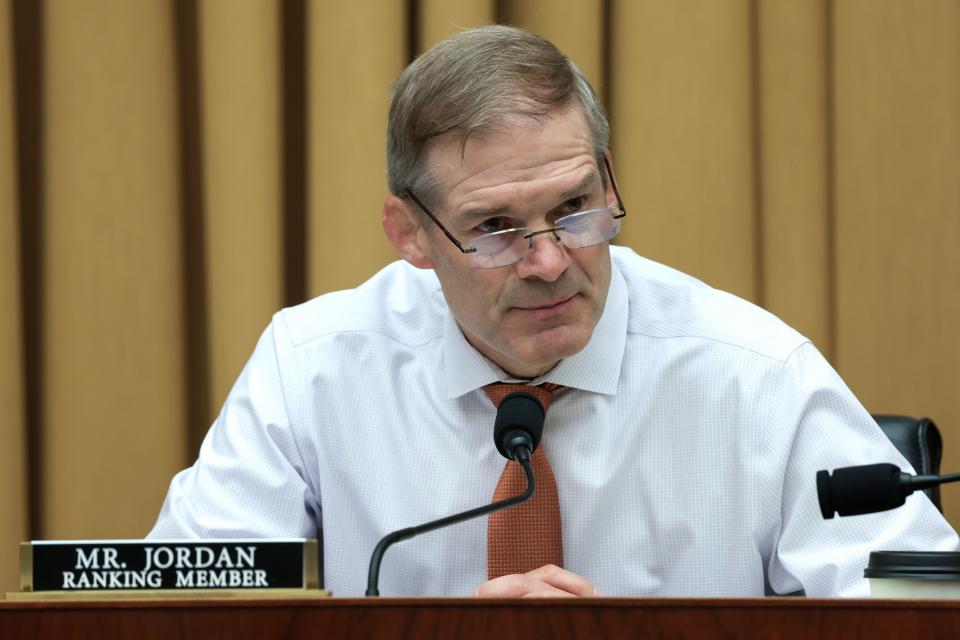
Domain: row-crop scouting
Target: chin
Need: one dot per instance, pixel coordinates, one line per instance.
(549, 348)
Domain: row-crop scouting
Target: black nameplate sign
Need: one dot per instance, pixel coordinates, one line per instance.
(104, 565)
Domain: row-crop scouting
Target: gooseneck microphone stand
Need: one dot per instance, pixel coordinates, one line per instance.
(516, 433)
(373, 576)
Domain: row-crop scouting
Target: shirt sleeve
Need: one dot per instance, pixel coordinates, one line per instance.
(825, 427)
(249, 480)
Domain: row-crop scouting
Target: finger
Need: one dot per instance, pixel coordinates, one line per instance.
(512, 586)
(565, 580)
(550, 592)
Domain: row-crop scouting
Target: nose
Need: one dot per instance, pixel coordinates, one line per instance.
(547, 258)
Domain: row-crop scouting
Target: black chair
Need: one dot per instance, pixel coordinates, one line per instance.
(920, 443)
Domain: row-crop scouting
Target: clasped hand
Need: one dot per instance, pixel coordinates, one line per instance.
(549, 581)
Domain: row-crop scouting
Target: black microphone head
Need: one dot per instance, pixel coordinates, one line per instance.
(853, 491)
(519, 421)
(825, 494)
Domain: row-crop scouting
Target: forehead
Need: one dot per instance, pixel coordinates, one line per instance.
(520, 158)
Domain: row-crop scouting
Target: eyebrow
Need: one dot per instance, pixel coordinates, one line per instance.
(483, 212)
(580, 187)
(490, 212)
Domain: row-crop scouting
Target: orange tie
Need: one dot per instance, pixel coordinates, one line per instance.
(527, 536)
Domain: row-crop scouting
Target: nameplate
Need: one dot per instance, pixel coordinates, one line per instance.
(108, 565)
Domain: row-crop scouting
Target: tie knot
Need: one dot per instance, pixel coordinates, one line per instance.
(500, 390)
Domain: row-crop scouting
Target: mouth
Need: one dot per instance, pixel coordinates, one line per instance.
(548, 308)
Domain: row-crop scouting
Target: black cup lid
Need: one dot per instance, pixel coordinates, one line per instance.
(914, 565)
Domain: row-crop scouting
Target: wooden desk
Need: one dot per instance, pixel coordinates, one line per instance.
(497, 619)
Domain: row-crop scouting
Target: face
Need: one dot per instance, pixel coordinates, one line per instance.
(527, 316)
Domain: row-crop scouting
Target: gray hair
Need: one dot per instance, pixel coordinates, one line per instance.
(473, 82)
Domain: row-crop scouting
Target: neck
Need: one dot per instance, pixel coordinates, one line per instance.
(525, 374)
(514, 368)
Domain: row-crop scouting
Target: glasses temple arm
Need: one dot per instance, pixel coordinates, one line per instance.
(408, 193)
(613, 183)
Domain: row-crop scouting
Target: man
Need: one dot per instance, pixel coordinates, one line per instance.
(689, 426)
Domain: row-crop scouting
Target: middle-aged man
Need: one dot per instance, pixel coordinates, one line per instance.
(687, 428)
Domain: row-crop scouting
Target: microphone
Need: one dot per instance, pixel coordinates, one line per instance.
(516, 432)
(853, 491)
(519, 425)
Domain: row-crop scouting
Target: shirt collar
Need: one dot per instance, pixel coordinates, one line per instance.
(594, 368)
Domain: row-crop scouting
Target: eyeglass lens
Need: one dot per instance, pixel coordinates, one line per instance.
(575, 231)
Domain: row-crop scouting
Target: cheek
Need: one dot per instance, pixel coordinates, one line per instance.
(472, 294)
(481, 299)
(595, 264)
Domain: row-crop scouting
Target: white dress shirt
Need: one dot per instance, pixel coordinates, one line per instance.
(685, 451)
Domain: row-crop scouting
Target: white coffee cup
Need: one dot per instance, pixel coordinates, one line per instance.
(925, 575)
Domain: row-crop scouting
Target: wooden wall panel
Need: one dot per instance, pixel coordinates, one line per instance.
(793, 167)
(575, 26)
(114, 398)
(801, 154)
(898, 210)
(356, 51)
(440, 19)
(240, 84)
(13, 451)
(682, 135)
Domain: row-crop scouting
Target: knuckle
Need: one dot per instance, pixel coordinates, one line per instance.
(527, 582)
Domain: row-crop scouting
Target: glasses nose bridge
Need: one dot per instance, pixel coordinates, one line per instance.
(530, 237)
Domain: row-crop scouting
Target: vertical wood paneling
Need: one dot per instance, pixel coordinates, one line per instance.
(440, 19)
(898, 210)
(792, 101)
(575, 26)
(190, 134)
(240, 96)
(728, 117)
(293, 164)
(114, 400)
(13, 446)
(682, 135)
(356, 50)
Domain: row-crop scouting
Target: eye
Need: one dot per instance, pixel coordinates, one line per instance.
(492, 225)
(573, 205)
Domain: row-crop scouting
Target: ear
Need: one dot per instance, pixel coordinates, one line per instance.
(406, 233)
